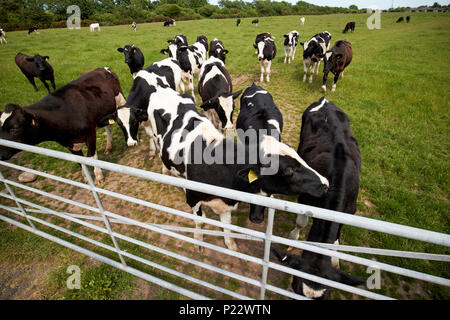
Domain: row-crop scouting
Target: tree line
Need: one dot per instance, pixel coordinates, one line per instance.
(22, 14)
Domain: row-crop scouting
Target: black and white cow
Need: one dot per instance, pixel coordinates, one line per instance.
(216, 89)
(255, 22)
(328, 146)
(162, 73)
(191, 59)
(177, 42)
(238, 22)
(187, 139)
(313, 52)
(33, 29)
(134, 58)
(69, 116)
(2, 36)
(267, 51)
(216, 49)
(170, 22)
(290, 45)
(134, 26)
(36, 66)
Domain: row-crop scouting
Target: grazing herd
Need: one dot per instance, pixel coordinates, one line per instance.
(324, 172)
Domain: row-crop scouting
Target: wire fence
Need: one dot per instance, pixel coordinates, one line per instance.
(31, 212)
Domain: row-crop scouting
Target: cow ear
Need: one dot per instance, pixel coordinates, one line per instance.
(249, 174)
(285, 35)
(120, 49)
(225, 51)
(46, 58)
(288, 259)
(302, 44)
(339, 57)
(164, 51)
(255, 46)
(30, 119)
(236, 94)
(169, 41)
(109, 119)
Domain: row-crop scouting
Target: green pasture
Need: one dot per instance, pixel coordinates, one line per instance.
(395, 92)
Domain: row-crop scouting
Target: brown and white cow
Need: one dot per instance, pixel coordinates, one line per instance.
(336, 60)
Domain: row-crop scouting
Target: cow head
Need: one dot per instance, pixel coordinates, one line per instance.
(16, 124)
(40, 62)
(203, 40)
(260, 47)
(171, 50)
(129, 52)
(224, 105)
(318, 266)
(128, 118)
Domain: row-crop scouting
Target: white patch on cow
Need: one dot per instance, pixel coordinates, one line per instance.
(4, 117)
(124, 115)
(120, 100)
(177, 72)
(227, 105)
(335, 260)
(151, 78)
(261, 45)
(211, 74)
(325, 101)
(275, 124)
(77, 146)
(270, 145)
(311, 293)
(173, 50)
(257, 92)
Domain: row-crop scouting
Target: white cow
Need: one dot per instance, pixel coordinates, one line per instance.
(94, 26)
(134, 26)
(302, 21)
(2, 36)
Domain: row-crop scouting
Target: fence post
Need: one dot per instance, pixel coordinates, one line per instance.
(19, 205)
(102, 212)
(267, 243)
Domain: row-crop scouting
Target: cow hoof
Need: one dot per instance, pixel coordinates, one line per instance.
(232, 246)
(201, 249)
(99, 182)
(310, 81)
(294, 234)
(324, 88)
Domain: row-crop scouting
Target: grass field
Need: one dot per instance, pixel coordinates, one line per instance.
(395, 92)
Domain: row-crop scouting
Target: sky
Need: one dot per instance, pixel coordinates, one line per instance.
(382, 4)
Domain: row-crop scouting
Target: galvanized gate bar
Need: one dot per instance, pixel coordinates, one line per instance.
(266, 259)
(315, 212)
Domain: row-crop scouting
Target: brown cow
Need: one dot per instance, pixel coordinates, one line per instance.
(69, 116)
(336, 60)
(36, 67)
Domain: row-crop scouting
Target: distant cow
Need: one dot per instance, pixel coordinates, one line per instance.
(401, 19)
(215, 88)
(290, 45)
(33, 29)
(255, 22)
(336, 60)
(177, 42)
(170, 22)
(238, 22)
(313, 52)
(408, 18)
(216, 49)
(36, 67)
(94, 26)
(349, 26)
(267, 51)
(302, 21)
(69, 116)
(2, 36)
(328, 146)
(134, 26)
(134, 58)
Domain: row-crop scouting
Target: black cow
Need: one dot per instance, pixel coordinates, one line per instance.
(267, 51)
(216, 89)
(170, 22)
(401, 19)
(238, 22)
(408, 18)
(36, 67)
(69, 116)
(349, 26)
(313, 52)
(33, 29)
(259, 116)
(216, 49)
(186, 138)
(336, 60)
(134, 58)
(255, 22)
(328, 146)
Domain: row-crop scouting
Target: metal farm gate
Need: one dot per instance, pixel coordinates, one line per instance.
(26, 209)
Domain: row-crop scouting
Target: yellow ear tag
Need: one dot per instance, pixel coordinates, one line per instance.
(33, 122)
(252, 176)
(111, 121)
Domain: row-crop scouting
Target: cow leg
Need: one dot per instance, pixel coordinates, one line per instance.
(336, 78)
(300, 223)
(191, 86)
(92, 153)
(285, 54)
(197, 209)
(318, 66)
(342, 75)
(334, 260)
(31, 79)
(305, 71)
(45, 84)
(311, 72)
(229, 242)
(293, 53)
(108, 130)
(268, 71)
(325, 78)
(262, 71)
(152, 143)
